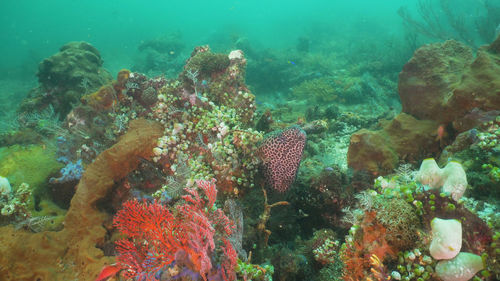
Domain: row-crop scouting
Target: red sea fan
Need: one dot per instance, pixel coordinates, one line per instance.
(153, 237)
(201, 220)
(229, 262)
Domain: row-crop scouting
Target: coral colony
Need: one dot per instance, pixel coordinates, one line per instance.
(179, 170)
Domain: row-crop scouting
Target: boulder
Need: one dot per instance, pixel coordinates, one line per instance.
(444, 81)
(403, 139)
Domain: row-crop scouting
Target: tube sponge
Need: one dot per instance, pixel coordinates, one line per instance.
(446, 238)
(451, 178)
(462, 268)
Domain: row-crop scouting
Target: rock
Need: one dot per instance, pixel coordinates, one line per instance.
(74, 62)
(369, 150)
(442, 85)
(65, 77)
(443, 81)
(402, 139)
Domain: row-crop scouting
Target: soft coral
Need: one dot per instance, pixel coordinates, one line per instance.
(201, 220)
(155, 235)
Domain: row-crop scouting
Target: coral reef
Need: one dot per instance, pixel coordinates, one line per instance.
(370, 252)
(183, 178)
(175, 243)
(207, 135)
(195, 138)
(442, 84)
(444, 81)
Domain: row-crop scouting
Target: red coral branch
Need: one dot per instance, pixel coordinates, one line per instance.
(155, 235)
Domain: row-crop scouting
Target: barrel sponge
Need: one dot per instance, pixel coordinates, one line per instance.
(446, 238)
(452, 178)
(462, 268)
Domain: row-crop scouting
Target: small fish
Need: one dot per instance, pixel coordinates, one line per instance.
(291, 62)
(441, 133)
(108, 271)
(497, 30)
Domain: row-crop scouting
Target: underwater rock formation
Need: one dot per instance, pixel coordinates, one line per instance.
(404, 138)
(65, 77)
(441, 88)
(444, 81)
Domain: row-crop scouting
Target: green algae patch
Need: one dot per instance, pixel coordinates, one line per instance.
(32, 164)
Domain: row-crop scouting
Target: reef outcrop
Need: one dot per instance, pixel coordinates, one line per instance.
(444, 81)
(441, 88)
(404, 138)
(65, 77)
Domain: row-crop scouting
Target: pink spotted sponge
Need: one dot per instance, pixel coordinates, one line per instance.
(281, 152)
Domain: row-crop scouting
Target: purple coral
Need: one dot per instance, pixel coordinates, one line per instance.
(71, 172)
(281, 152)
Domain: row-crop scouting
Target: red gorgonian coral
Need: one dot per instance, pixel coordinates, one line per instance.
(155, 236)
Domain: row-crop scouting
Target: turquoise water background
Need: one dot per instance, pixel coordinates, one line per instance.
(31, 30)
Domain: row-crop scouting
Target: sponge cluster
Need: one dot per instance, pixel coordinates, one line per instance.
(445, 246)
(451, 179)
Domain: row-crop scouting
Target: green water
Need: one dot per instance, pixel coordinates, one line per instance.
(32, 30)
(329, 66)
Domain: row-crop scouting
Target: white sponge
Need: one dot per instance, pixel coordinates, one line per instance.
(5, 188)
(452, 178)
(446, 238)
(462, 268)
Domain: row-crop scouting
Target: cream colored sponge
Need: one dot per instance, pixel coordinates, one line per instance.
(446, 238)
(462, 268)
(452, 178)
